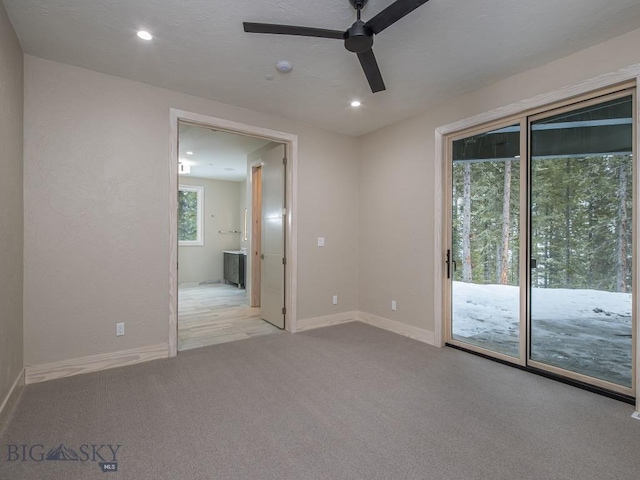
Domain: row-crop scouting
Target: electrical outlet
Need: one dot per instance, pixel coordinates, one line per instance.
(335, 299)
(393, 305)
(119, 329)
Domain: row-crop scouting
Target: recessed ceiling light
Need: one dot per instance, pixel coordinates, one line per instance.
(355, 103)
(144, 35)
(189, 153)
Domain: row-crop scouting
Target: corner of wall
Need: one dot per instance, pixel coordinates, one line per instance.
(11, 213)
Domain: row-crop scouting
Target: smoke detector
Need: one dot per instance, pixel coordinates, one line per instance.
(283, 66)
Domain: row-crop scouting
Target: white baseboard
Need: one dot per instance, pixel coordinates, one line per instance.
(416, 333)
(11, 398)
(326, 321)
(94, 363)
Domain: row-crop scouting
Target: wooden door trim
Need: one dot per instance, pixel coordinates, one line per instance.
(177, 116)
(256, 234)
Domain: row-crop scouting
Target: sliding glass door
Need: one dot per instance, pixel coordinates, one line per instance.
(541, 241)
(485, 250)
(581, 240)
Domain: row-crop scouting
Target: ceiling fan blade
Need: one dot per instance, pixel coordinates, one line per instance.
(371, 70)
(393, 13)
(292, 30)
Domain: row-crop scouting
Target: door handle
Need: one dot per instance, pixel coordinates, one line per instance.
(449, 262)
(534, 263)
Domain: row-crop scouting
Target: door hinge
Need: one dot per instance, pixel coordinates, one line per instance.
(284, 161)
(284, 212)
(284, 260)
(284, 310)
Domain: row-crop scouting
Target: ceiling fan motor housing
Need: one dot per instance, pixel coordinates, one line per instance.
(359, 38)
(358, 3)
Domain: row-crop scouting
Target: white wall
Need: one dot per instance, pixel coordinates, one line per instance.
(97, 211)
(397, 214)
(221, 212)
(11, 206)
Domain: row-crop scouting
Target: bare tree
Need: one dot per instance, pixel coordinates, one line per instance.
(466, 226)
(621, 230)
(506, 203)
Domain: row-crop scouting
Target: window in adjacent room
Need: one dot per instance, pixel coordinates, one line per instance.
(190, 215)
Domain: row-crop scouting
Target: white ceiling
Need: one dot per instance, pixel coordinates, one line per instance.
(444, 48)
(217, 155)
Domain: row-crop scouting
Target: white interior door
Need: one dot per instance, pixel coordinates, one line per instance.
(272, 294)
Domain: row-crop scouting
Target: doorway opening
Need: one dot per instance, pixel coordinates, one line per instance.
(541, 242)
(231, 228)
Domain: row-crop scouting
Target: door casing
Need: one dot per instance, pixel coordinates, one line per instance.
(291, 195)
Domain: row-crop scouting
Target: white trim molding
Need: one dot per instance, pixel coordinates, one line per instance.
(394, 326)
(291, 187)
(326, 320)
(94, 363)
(11, 399)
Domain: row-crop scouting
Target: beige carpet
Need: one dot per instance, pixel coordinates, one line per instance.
(345, 402)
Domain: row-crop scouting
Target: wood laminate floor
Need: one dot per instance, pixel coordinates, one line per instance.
(217, 313)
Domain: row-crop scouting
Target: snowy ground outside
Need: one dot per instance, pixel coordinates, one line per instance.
(584, 331)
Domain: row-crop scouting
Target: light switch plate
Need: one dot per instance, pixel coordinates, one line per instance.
(321, 241)
(393, 305)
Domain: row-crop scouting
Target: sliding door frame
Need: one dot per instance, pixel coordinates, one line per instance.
(622, 91)
(520, 112)
(522, 260)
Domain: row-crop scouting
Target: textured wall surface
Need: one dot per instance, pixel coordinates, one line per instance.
(97, 211)
(11, 205)
(396, 228)
(221, 212)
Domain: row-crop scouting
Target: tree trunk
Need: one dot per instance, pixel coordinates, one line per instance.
(621, 253)
(506, 204)
(568, 278)
(466, 226)
(547, 248)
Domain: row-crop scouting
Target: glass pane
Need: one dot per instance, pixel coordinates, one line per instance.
(187, 215)
(581, 211)
(485, 240)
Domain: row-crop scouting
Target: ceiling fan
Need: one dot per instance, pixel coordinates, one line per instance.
(358, 38)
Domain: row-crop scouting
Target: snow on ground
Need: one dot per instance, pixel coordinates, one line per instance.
(586, 331)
